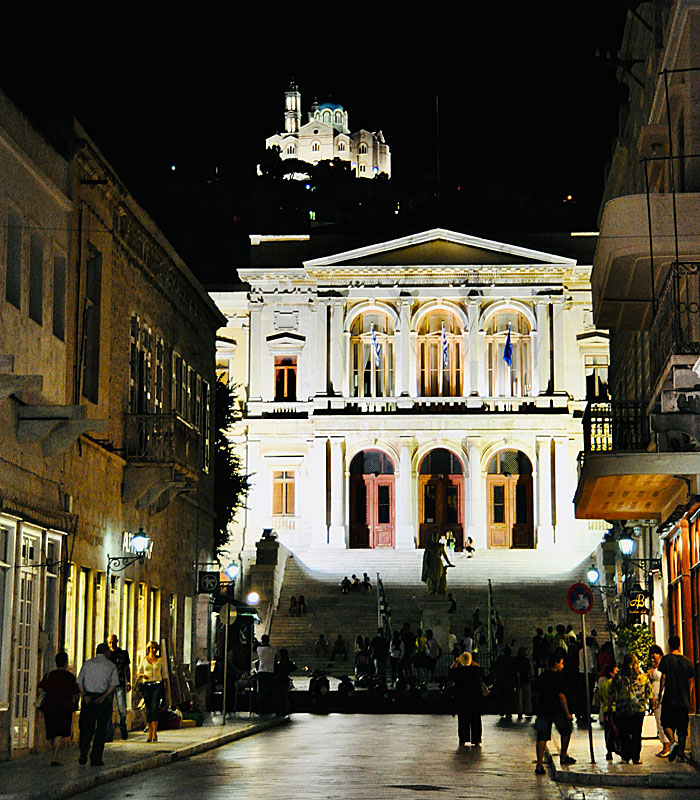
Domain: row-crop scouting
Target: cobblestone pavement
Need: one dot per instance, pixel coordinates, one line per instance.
(353, 757)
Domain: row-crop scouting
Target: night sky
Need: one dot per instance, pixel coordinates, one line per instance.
(524, 105)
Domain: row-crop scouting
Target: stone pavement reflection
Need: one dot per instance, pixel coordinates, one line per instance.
(356, 757)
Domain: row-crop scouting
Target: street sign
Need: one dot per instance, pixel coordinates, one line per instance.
(227, 614)
(580, 598)
(638, 603)
(208, 582)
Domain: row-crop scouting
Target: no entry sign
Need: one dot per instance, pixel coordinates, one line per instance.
(580, 598)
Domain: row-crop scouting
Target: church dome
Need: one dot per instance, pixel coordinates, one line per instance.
(330, 104)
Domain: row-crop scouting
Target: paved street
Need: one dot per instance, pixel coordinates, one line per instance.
(363, 756)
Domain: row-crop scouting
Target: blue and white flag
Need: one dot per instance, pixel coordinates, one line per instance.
(508, 350)
(445, 360)
(375, 346)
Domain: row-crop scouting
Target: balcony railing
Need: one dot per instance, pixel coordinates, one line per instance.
(163, 439)
(615, 426)
(675, 328)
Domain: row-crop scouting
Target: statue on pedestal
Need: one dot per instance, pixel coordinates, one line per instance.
(435, 564)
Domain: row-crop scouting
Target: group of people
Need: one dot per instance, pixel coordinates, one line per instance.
(625, 695)
(101, 680)
(297, 606)
(354, 584)
(272, 673)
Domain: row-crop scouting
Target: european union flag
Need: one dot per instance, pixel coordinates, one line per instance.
(508, 350)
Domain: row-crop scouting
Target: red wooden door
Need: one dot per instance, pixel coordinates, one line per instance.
(371, 511)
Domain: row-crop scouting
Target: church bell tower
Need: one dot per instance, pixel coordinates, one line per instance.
(292, 108)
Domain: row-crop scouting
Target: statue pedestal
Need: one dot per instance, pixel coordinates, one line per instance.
(434, 616)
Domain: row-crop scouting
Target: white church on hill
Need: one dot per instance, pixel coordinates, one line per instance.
(326, 136)
(427, 384)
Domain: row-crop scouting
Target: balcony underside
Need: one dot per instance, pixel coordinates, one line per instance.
(634, 485)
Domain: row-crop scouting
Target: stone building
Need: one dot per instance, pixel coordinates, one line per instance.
(326, 136)
(429, 384)
(107, 353)
(642, 466)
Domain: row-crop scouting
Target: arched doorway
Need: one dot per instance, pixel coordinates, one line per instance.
(371, 500)
(440, 497)
(509, 493)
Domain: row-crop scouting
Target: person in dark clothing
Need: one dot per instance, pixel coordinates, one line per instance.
(120, 658)
(676, 676)
(59, 703)
(409, 642)
(468, 699)
(539, 654)
(284, 667)
(379, 647)
(505, 683)
(523, 672)
(552, 708)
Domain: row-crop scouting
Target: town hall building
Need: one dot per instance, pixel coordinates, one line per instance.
(326, 136)
(432, 384)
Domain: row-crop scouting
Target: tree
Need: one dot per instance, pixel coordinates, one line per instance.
(231, 485)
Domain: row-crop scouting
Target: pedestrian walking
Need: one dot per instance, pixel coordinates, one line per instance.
(469, 699)
(552, 709)
(58, 704)
(265, 674)
(284, 667)
(380, 652)
(677, 676)
(630, 691)
(655, 675)
(97, 679)
(153, 683)
(120, 658)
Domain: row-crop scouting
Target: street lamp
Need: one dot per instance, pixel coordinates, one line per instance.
(626, 545)
(140, 543)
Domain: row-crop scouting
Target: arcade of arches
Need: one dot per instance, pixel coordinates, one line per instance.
(441, 499)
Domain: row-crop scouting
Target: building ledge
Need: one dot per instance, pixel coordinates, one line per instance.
(634, 485)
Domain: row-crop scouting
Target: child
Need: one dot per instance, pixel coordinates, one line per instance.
(470, 547)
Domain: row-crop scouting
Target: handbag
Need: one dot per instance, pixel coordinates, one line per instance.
(485, 691)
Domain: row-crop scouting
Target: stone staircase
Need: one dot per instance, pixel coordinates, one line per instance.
(529, 589)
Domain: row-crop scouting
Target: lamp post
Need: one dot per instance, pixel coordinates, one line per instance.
(140, 542)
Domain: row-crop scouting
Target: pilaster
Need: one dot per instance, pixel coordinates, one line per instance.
(256, 352)
(475, 496)
(405, 530)
(545, 529)
(318, 477)
(337, 534)
(337, 346)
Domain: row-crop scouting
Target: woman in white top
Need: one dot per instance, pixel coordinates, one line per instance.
(656, 654)
(153, 681)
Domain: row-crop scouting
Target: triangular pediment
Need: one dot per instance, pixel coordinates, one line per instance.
(439, 247)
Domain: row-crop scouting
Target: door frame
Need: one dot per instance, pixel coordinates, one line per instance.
(511, 539)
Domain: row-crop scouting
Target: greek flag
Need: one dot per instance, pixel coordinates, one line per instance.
(444, 347)
(508, 350)
(375, 346)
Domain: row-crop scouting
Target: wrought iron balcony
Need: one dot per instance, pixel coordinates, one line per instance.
(615, 426)
(163, 439)
(675, 329)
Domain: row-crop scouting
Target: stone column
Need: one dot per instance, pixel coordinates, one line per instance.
(321, 337)
(257, 501)
(337, 345)
(256, 348)
(541, 367)
(545, 530)
(337, 534)
(404, 499)
(559, 346)
(317, 478)
(475, 496)
(476, 354)
(413, 364)
(564, 469)
(401, 366)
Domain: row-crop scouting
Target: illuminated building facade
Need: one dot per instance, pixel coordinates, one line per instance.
(408, 388)
(326, 136)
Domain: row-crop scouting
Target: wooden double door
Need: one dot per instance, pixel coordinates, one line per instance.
(371, 511)
(510, 517)
(440, 508)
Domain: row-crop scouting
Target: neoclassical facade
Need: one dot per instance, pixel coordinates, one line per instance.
(429, 384)
(325, 136)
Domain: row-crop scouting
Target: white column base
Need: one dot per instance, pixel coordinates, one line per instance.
(405, 537)
(337, 537)
(319, 536)
(545, 537)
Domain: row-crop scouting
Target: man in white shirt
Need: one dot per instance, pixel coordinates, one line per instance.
(97, 680)
(587, 676)
(266, 675)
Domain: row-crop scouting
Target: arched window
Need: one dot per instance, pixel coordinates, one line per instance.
(338, 117)
(326, 116)
(440, 355)
(503, 379)
(363, 168)
(315, 147)
(372, 356)
(290, 150)
(362, 149)
(341, 147)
